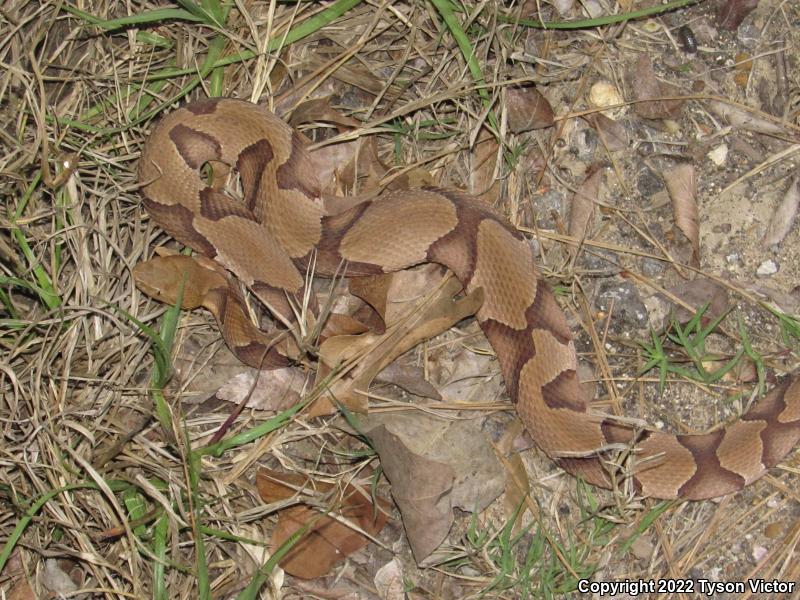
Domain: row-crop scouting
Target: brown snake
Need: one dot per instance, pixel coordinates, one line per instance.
(267, 239)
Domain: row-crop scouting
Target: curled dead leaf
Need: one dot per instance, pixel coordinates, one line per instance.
(649, 91)
(698, 293)
(681, 185)
(583, 202)
(434, 465)
(518, 485)
(784, 216)
(731, 13)
(328, 540)
(527, 108)
(612, 133)
(275, 389)
(750, 120)
(375, 352)
(482, 182)
(408, 377)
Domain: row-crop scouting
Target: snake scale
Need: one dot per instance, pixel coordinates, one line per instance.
(267, 238)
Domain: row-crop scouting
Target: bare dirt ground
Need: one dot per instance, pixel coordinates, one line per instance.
(655, 174)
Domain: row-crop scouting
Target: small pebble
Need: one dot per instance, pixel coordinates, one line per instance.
(604, 93)
(718, 155)
(768, 267)
(759, 552)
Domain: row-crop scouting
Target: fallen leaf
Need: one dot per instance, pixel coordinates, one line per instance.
(344, 166)
(583, 203)
(518, 486)
(788, 302)
(339, 324)
(374, 291)
(57, 580)
(273, 390)
(371, 353)
(527, 108)
(699, 292)
(784, 216)
(731, 13)
(389, 581)
(681, 185)
(15, 579)
(750, 120)
(482, 182)
(612, 133)
(192, 376)
(464, 375)
(434, 465)
(649, 90)
(365, 170)
(414, 177)
(408, 377)
(328, 541)
(21, 590)
(202, 282)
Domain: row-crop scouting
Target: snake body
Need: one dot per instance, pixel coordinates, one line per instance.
(267, 239)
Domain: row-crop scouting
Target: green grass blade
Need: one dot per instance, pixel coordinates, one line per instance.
(160, 533)
(158, 15)
(445, 9)
(194, 468)
(23, 523)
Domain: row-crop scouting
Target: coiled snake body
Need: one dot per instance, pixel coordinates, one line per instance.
(267, 238)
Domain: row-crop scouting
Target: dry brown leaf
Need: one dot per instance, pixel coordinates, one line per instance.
(196, 384)
(518, 486)
(699, 292)
(378, 351)
(56, 578)
(20, 590)
(389, 581)
(482, 182)
(434, 465)
(364, 171)
(647, 88)
(339, 324)
(327, 160)
(320, 110)
(352, 73)
(411, 178)
(274, 390)
(409, 377)
(527, 108)
(339, 167)
(464, 374)
(681, 184)
(583, 202)
(784, 216)
(328, 541)
(411, 285)
(731, 13)
(788, 302)
(373, 290)
(14, 575)
(744, 119)
(613, 134)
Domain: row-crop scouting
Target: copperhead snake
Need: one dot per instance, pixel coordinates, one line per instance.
(266, 240)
